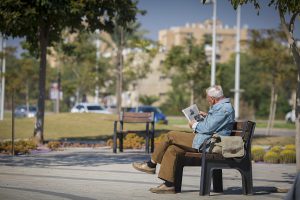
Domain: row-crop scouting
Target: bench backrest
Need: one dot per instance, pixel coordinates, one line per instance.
(245, 130)
(136, 117)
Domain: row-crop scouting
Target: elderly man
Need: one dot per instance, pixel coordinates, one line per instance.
(219, 119)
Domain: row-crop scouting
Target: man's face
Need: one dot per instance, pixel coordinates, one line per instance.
(210, 100)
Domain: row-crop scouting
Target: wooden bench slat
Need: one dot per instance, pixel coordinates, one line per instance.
(134, 117)
(238, 126)
(137, 120)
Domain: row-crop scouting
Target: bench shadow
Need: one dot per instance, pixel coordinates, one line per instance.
(78, 158)
(258, 190)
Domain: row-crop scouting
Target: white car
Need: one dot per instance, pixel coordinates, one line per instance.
(290, 117)
(89, 108)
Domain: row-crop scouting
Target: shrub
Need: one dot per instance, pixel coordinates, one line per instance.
(258, 153)
(276, 149)
(20, 147)
(288, 156)
(133, 141)
(54, 145)
(110, 142)
(271, 157)
(290, 147)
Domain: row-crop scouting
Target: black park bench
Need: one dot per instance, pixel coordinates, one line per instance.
(212, 163)
(134, 117)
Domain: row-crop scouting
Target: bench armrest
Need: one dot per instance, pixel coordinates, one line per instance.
(202, 147)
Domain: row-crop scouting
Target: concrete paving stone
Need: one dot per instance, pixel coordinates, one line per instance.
(97, 173)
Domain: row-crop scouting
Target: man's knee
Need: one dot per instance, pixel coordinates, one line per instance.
(174, 150)
(172, 134)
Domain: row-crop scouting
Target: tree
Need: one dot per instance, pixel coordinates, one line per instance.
(292, 8)
(148, 99)
(22, 75)
(187, 67)
(42, 22)
(77, 60)
(136, 63)
(266, 44)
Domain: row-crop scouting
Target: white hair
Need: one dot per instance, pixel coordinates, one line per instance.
(215, 91)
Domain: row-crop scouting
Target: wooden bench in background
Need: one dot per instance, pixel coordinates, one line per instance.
(132, 117)
(212, 164)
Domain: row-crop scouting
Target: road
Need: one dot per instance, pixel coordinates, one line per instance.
(275, 132)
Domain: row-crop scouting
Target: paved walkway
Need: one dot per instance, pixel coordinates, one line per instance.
(99, 174)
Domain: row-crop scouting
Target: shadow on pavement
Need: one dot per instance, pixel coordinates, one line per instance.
(77, 158)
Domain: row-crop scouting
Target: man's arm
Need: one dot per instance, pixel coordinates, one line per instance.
(211, 123)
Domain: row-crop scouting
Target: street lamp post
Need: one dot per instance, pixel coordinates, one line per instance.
(237, 65)
(2, 49)
(213, 55)
(97, 67)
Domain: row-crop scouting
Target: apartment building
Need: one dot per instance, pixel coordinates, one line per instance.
(157, 84)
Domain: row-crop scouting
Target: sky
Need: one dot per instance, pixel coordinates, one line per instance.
(164, 14)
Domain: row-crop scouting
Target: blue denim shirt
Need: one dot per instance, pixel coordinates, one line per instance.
(219, 119)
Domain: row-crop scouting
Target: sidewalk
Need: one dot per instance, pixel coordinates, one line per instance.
(85, 173)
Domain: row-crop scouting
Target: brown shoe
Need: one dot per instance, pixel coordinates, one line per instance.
(163, 189)
(143, 167)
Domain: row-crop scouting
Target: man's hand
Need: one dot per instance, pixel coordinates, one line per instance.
(203, 113)
(191, 123)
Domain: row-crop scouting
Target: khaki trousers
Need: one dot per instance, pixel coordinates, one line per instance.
(165, 153)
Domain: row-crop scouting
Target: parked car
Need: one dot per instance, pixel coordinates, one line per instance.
(159, 116)
(290, 117)
(23, 111)
(89, 108)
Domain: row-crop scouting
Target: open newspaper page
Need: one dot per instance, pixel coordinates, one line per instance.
(192, 113)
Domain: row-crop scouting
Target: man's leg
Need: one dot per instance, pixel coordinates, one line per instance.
(182, 139)
(178, 138)
(178, 143)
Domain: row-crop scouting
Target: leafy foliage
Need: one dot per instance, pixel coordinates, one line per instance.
(148, 99)
(188, 70)
(41, 22)
(260, 71)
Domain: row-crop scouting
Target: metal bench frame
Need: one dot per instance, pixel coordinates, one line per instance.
(132, 117)
(212, 164)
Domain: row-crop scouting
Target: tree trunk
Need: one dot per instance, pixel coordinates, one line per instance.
(296, 55)
(27, 95)
(271, 112)
(297, 138)
(192, 93)
(120, 72)
(39, 124)
(274, 112)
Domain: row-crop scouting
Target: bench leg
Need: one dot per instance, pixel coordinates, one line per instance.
(205, 180)
(178, 173)
(121, 142)
(247, 182)
(152, 138)
(147, 137)
(217, 180)
(115, 138)
(121, 136)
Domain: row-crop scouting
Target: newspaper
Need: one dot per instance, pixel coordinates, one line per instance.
(192, 113)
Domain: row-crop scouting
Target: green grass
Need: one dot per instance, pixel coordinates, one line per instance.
(87, 126)
(70, 126)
